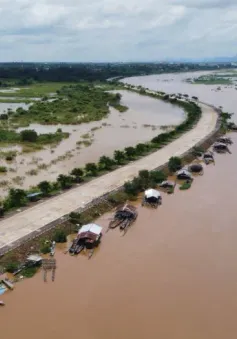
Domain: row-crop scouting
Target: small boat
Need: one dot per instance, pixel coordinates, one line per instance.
(2, 303)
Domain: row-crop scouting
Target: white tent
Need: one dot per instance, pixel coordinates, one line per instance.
(151, 193)
(184, 172)
(93, 228)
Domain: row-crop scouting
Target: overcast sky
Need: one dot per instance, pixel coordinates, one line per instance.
(116, 30)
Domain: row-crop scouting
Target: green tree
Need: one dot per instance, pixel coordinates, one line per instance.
(16, 198)
(130, 152)
(119, 157)
(106, 163)
(91, 168)
(141, 148)
(60, 236)
(45, 187)
(174, 164)
(77, 174)
(65, 181)
(29, 135)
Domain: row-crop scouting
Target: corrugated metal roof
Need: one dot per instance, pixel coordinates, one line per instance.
(150, 193)
(93, 228)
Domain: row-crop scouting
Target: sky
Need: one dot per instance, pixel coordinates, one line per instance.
(116, 30)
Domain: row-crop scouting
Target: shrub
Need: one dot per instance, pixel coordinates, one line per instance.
(117, 198)
(45, 187)
(130, 152)
(119, 157)
(11, 267)
(60, 236)
(9, 158)
(29, 135)
(3, 169)
(77, 174)
(174, 164)
(157, 176)
(65, 181)
(29, 272)
(15, 198)
(91, 168)
(45, 248)
(186, 185)
(106, 163)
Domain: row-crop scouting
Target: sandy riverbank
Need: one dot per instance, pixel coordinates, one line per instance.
(22, 224)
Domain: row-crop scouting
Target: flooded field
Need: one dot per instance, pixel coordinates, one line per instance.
(87, 142)
(173, 275)
(13, 106)
(175, 83)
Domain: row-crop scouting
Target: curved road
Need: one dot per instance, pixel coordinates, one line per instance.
(33, 219)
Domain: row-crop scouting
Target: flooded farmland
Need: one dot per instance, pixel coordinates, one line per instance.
(87, 142)
(172, 276)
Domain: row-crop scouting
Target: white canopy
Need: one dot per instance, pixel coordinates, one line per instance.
(93, 228)
(152, 193)
(185, 172)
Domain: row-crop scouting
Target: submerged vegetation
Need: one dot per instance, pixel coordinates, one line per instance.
(121, 157)
(212, 79)
(74, 104)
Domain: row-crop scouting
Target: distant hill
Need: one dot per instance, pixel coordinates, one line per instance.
(211, 60)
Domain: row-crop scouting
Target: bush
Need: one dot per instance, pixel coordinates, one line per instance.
(91, 169)
(16, 198)
(3, 169)
(158, 176)
(65, 181)
(186, 185)
(29, 135)
(11, 267)
(174, 164)
(9, 158)
(45, 187)
(29, 272)
(118, 197)
(45, 248)
(60, 236)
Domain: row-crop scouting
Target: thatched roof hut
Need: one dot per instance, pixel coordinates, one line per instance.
(183, 174)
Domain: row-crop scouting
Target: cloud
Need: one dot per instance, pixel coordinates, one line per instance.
(116, 30)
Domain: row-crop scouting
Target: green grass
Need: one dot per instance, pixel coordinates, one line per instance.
(36, 90)
(212, 80)
(74, 104)
(185, 186)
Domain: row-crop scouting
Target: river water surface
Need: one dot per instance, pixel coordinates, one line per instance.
(173, 275)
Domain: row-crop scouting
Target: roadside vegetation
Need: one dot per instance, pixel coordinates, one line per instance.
(18, 198)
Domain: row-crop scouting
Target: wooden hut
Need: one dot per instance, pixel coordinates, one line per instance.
(124, 216)
(88, 237)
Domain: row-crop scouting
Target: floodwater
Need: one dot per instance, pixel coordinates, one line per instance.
(140, 123)
(175, 83)
(13, 106)
(173, 275)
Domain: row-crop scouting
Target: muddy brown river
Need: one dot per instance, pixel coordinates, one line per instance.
(173, 275)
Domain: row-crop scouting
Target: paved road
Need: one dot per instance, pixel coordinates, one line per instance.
(32, 219)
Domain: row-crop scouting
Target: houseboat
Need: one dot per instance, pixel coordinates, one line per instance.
(88, 237)
(152, 198)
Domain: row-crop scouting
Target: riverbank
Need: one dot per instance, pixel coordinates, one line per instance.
(33, 220)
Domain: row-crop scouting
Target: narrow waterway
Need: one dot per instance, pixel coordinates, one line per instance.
(87, 142)
(173, 275)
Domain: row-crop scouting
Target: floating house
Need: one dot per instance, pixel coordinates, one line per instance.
(184, 174)
(88, 237)
(167, 184)
(225, 140)
(124, 216)
(220, 147)
(208, 157)
(152, 197)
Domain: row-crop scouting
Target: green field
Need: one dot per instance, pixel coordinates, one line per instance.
(35, 90)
